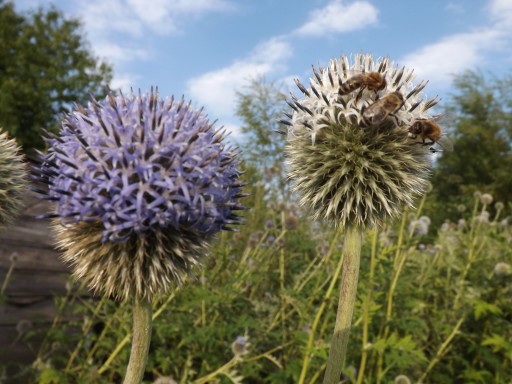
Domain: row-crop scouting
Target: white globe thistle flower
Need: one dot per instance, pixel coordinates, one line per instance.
(357, 154)
(350, 155)
(402, 379)
(486, 199)
(425, 219)
(502, 269)
(418, 227)
(165, 380)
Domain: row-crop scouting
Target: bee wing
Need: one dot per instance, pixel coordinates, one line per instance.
(445, 143)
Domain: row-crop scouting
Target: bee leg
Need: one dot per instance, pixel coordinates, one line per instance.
(359, 94)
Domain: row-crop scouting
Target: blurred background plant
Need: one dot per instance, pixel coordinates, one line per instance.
(45, 66)
(263, 310)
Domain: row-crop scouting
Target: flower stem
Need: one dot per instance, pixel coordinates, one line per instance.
(140, 341)
(367, 307)
(348, 290)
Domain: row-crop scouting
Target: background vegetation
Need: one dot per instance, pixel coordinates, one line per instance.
(435, 292)
(45, 66)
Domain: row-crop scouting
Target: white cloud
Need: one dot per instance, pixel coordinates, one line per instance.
(501, 12)
(453, 54)
(439, 61)
(118, 53)
(123, 82)
(337, 18)
(110, 24)
(164, 16)
(455, 7)
(134, 17)
(216, 90)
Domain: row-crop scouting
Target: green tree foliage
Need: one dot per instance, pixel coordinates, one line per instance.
(260, 106)
(45, 65)
(481, 131)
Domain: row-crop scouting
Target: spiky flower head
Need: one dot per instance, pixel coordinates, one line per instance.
(502, 269)
(486, 199)
(141, 186)
(402, 379)
(240, 346)
(351, 150)
(13, 180)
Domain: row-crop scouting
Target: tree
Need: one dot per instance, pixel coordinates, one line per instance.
(45, 66)
(260, 106)
(481, 131)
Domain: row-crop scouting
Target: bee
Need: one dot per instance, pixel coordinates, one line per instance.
(377, 112)
(371, 80)
(430, 133)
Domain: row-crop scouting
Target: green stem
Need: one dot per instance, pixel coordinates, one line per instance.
(348, 290)
(7, 277)
(442, 350)
(140, 341)
(321, 309)
(366, 308)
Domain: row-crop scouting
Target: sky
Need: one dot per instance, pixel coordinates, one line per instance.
(208, 50)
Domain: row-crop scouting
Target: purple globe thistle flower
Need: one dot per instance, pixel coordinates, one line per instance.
(141, 187)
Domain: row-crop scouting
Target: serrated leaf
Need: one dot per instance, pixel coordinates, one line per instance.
(497, 342)
(483, 307)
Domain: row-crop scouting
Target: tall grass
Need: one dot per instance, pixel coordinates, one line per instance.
(432, 306)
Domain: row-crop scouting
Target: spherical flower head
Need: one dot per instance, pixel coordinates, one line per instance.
(402, 379)
(13, 180)
(418, 227)
(486, 199)
(240, 346)
(141, 187)
(502, 269)
(425, 219)
(165, 380)
(349, 149)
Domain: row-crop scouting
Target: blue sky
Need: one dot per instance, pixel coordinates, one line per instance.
(209, 49)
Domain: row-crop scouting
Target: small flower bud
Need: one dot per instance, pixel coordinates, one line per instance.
(425, 219)
(499, 205)
(13, 257)
(502, 269)
(240, 346)
(23, 326)
(402, 379)
(290, 222)
(486, 199)
(165, 380)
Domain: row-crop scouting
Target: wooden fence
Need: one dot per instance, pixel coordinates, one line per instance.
(36, 278)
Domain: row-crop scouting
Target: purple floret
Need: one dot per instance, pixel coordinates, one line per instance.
(141, 163)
